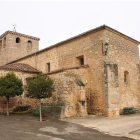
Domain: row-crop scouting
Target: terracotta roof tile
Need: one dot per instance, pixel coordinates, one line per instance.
(19, 67)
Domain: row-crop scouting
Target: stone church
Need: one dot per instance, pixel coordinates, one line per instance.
(96, 72)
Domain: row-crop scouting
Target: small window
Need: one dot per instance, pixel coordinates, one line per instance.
(29, 43)
(126, 77)
(4, 41)
(81, 60)
(48, 67)
(0, 43)
(17, 40)
(83, 103)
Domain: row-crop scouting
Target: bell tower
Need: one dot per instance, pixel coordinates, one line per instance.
(15, 45)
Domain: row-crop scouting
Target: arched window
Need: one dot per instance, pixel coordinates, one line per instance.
(29, 43)
(17, 40)
(4, 41)
(126, 77)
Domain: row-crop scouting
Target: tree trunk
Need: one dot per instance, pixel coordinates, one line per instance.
(40, 111)
(7, 106)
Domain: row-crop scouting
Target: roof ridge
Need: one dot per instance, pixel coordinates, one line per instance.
(104, 26)
(27, 65)
(20, 66)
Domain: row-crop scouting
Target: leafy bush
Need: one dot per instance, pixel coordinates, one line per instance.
(21, 108)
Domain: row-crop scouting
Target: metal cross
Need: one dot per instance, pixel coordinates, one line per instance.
(14, 27)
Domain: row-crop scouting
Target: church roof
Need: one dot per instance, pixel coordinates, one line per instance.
(19, 67)
(19, 34)
(80, 35)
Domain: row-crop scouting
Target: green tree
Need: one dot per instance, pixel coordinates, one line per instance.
(10, 86)
(40, 87)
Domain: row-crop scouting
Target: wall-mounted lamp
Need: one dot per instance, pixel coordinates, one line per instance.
(105, 46)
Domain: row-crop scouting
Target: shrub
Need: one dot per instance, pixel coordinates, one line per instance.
(21, 108)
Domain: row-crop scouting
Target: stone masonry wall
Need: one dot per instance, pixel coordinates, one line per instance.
(124, 53)
(69, 95)
(111, 90)
(67, 55)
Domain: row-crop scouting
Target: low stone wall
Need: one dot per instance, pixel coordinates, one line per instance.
(70, 93)
(68, 100)
(53, 111)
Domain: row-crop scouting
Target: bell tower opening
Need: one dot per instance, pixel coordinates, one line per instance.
(4, 41)
(29, 43)
(17, 40)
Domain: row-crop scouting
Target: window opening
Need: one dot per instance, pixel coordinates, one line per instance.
(0, 43)
(48, 67)
(81, 60)
(83, 103)
(17, 40)
(29, 43)
(126, 77)
(4, 42)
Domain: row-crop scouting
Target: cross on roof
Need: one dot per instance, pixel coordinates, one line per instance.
(14, 27)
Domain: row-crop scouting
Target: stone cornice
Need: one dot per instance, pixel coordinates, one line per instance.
(64, 69)
(18, 34)
(121, 34)
(61, 70)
